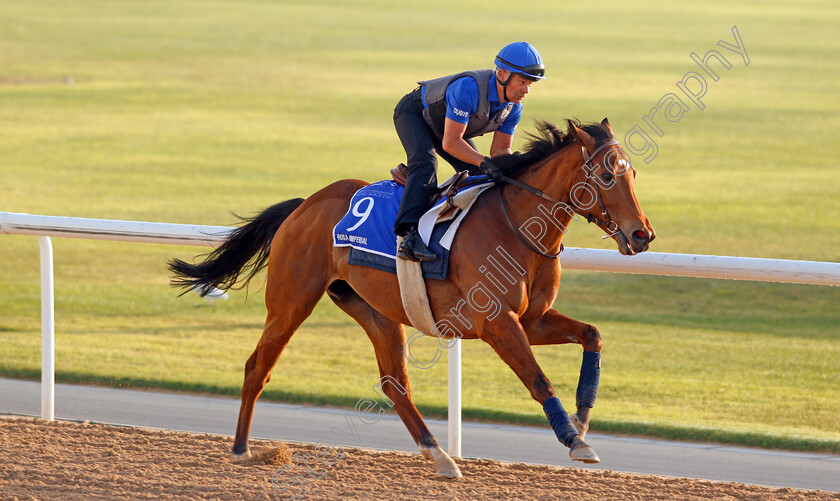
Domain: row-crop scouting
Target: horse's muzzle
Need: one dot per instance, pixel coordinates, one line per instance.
(639, 241)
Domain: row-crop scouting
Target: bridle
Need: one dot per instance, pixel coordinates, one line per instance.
(605, 225)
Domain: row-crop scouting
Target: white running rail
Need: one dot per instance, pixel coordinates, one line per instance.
(651, 263)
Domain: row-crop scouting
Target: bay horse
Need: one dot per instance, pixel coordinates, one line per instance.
(582, 171)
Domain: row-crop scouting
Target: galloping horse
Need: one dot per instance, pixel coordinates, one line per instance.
(580, 171)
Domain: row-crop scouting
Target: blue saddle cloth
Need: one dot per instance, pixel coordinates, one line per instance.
(368, 229)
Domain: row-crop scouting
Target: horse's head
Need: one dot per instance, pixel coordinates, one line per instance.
(604, 193)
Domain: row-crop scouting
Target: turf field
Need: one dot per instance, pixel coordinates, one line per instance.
(185, 111)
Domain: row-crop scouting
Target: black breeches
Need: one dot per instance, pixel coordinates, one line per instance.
(422, 148)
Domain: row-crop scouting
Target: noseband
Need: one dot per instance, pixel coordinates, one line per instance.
(605, 225)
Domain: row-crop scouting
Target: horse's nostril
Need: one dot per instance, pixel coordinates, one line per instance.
(640, 235)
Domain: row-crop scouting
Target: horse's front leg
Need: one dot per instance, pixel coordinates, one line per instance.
(555, 328)
(505, 334)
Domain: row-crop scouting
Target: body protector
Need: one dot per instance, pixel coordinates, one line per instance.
(480, 122)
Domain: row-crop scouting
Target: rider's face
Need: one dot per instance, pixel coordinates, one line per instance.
(517, 88)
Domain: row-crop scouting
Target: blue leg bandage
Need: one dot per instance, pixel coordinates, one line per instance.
(590, 374)
(559, 420)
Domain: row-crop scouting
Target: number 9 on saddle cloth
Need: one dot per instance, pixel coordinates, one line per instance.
(368, 226)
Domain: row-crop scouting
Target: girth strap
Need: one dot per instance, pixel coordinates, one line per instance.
(414, 297)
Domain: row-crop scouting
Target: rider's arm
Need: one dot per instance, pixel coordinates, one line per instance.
(501, 144)
(461, 103)
(503, 137)
(454, 144)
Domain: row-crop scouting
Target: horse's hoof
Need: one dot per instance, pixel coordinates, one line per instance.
(243, 456)
(579, 426)
(583, 452)
(447, 468)
(443, 464)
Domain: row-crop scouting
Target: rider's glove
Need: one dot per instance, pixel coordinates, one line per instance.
(491, 169)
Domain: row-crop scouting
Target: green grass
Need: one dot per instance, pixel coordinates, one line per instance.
(184, 111)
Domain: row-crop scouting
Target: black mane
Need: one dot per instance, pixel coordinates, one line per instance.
(550, 139)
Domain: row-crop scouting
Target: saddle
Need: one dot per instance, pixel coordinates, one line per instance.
(410, 275)
(446, 190)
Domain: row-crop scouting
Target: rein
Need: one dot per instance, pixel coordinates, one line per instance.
(530, 189)
(510, 225)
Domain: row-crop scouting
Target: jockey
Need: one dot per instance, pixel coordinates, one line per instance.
(442, 115)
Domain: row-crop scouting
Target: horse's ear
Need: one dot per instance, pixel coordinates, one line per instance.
(606, 123)
(585, 139)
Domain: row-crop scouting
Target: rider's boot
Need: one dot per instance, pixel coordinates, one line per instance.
(413, 248)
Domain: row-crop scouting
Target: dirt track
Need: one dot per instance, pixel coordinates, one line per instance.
(70, 461)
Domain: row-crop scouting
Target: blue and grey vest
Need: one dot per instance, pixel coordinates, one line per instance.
(480, 122)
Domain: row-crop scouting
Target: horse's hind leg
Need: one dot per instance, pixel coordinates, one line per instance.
(388, 338)
(289, 302)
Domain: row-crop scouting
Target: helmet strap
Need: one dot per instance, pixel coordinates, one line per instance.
(505, 83)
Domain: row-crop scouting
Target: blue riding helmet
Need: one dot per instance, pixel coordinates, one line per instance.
(522, 59)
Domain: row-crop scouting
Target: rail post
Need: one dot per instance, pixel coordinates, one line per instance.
(47, 330)
(454, 410)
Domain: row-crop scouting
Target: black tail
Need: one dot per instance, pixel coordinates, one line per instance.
(245, 250)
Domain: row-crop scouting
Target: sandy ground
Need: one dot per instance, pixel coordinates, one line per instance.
(74, 461)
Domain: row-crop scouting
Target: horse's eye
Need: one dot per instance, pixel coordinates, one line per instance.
(606, 176)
